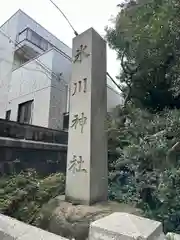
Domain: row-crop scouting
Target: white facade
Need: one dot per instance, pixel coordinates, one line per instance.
(36, 66)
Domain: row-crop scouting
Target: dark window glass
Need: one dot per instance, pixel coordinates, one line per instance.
(66, 121)
(25, 112)
(34, 38)
(8, 114)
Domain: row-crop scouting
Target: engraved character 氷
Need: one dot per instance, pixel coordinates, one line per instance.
(80, 52)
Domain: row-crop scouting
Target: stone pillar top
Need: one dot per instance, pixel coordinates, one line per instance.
(125, 226)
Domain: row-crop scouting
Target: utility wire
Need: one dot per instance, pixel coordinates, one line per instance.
(46, 68)
(37, 91)
(75, 32)
(29, 69)
(36, 60)
(113, 81)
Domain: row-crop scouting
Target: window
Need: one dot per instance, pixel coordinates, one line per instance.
(44, 44)
(34, 38)
(8, 114)
(37, 40)
(66, 121)
(25, 112)
(22, 35)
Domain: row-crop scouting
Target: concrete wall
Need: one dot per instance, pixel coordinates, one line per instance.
(113, 98)
(59, 90)
(104, 228)
(25, 146)
(9, 129)
(25, 21)
(32, 82)
(20, 155)
(6, 60)
(24, 83)
(11, 229)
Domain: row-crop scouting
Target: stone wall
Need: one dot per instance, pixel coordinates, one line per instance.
(117, 226)
(11, 229)
(25, 146)
(29, 132)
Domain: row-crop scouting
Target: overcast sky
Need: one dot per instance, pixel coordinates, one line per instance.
(82, 13)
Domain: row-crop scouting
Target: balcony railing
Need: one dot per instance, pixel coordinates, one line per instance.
(31, 36)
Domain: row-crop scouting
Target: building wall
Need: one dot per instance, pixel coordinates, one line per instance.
(113, 98)
(25, 21)
(59, 91)
(6, 60)
(32, 82)
(31, 146)
(12, 229)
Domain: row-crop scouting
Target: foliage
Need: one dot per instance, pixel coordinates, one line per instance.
(144, 147)
(146, 36)
(144, 166)
(23, 195)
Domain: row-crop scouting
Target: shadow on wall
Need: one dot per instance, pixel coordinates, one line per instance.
(46, 154)
(45, 162)
(30, 132)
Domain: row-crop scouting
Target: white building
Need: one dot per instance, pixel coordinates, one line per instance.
(35, 71)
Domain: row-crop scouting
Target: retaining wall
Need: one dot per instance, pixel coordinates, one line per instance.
(25, 146)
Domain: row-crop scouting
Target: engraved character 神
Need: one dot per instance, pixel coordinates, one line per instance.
(79, 120)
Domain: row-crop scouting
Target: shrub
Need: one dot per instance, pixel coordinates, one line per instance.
(144, 166)
(23, 195)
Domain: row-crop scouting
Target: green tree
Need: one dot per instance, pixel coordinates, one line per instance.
(146, 36)
(144, 162)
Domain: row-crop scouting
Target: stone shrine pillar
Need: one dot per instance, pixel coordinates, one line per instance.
(87, 173)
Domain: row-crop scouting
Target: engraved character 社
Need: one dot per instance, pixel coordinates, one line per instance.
(76, 164)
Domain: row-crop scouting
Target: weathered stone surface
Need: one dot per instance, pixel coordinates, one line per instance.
(44, 157)
(10, 129)
(72, 221)
(4, 236)
(28, 144)
(12, 229)
(125, 226)
(172, 236)
(86, 178)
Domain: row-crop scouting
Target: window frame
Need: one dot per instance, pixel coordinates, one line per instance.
(40, 40)
(25, 111)
(8, 115)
